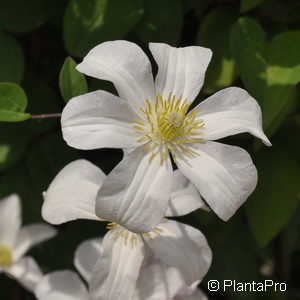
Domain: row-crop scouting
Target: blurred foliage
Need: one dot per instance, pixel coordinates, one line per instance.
(256, 45)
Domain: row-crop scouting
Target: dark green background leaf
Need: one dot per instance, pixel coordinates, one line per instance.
(11, 59)
(88, 23)
(71, 82)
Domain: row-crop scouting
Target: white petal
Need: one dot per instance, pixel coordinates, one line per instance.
(86, 256)
(224, 175)
(116, 272)
(158, 281)
(184, 198)
(180, 70)
(61, 285)
(231, 111)
(30, 236)
(98, 120)
(72, 193)
(183, 247)
(136, 193)
(126, 65)
(10, 219)
(27, 272)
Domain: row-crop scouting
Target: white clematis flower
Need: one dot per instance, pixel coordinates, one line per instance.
(73, 193)
(66, 284)
(156, 280)
(153, 120)
(15, 241)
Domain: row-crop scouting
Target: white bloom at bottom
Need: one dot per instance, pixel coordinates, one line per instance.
(15, 241)
(66, 284)
(72, 194)
(173, 243)
(156, 279)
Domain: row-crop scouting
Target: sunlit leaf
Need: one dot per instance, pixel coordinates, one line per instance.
(214, 34)
(71, 82)
(248, 44)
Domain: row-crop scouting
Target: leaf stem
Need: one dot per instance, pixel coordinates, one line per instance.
(45, 116)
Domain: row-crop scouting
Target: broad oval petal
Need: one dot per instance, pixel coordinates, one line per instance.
(184, 197)
(126, 66)
(10, 219)
(182, 247)
(86, 255)
(72, 193)
(136, 192)
(231, 111)
(181, 71)
(61, 285)
(116, 272)
(224, 175)
(31, 235)
(99, 120)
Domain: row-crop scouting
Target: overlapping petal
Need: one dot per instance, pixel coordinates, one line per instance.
(231, 111)
(184, 197)
(61, 285)
(10, 219)
(117, 271)
(183, 247)
(136, 192)
(27, 272)
(98, 120)
(86, 256)
(72, 193)
(126, 65)
(180, 70)
(31, 235)
(224, 175)
(158, 281)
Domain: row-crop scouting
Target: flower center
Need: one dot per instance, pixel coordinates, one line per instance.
(168, 127)
(169, 124)
(5, 256)
(131, 237)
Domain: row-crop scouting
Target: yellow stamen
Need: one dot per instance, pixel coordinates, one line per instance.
(168, 127)
(5, 256)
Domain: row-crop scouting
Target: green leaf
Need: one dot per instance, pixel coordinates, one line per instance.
(248, 44)
(214, 34)
(282, 74)
(23, 16)
(269, 72)
(160, 17)
(276, 195)
(71, 82)
(88, 23)
(249, 4)
(13, 102)
(11, 59)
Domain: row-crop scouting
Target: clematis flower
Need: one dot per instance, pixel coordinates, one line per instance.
(66, 284)
(15, 241)
(153, 121)
(156, 280)
(72, 195)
